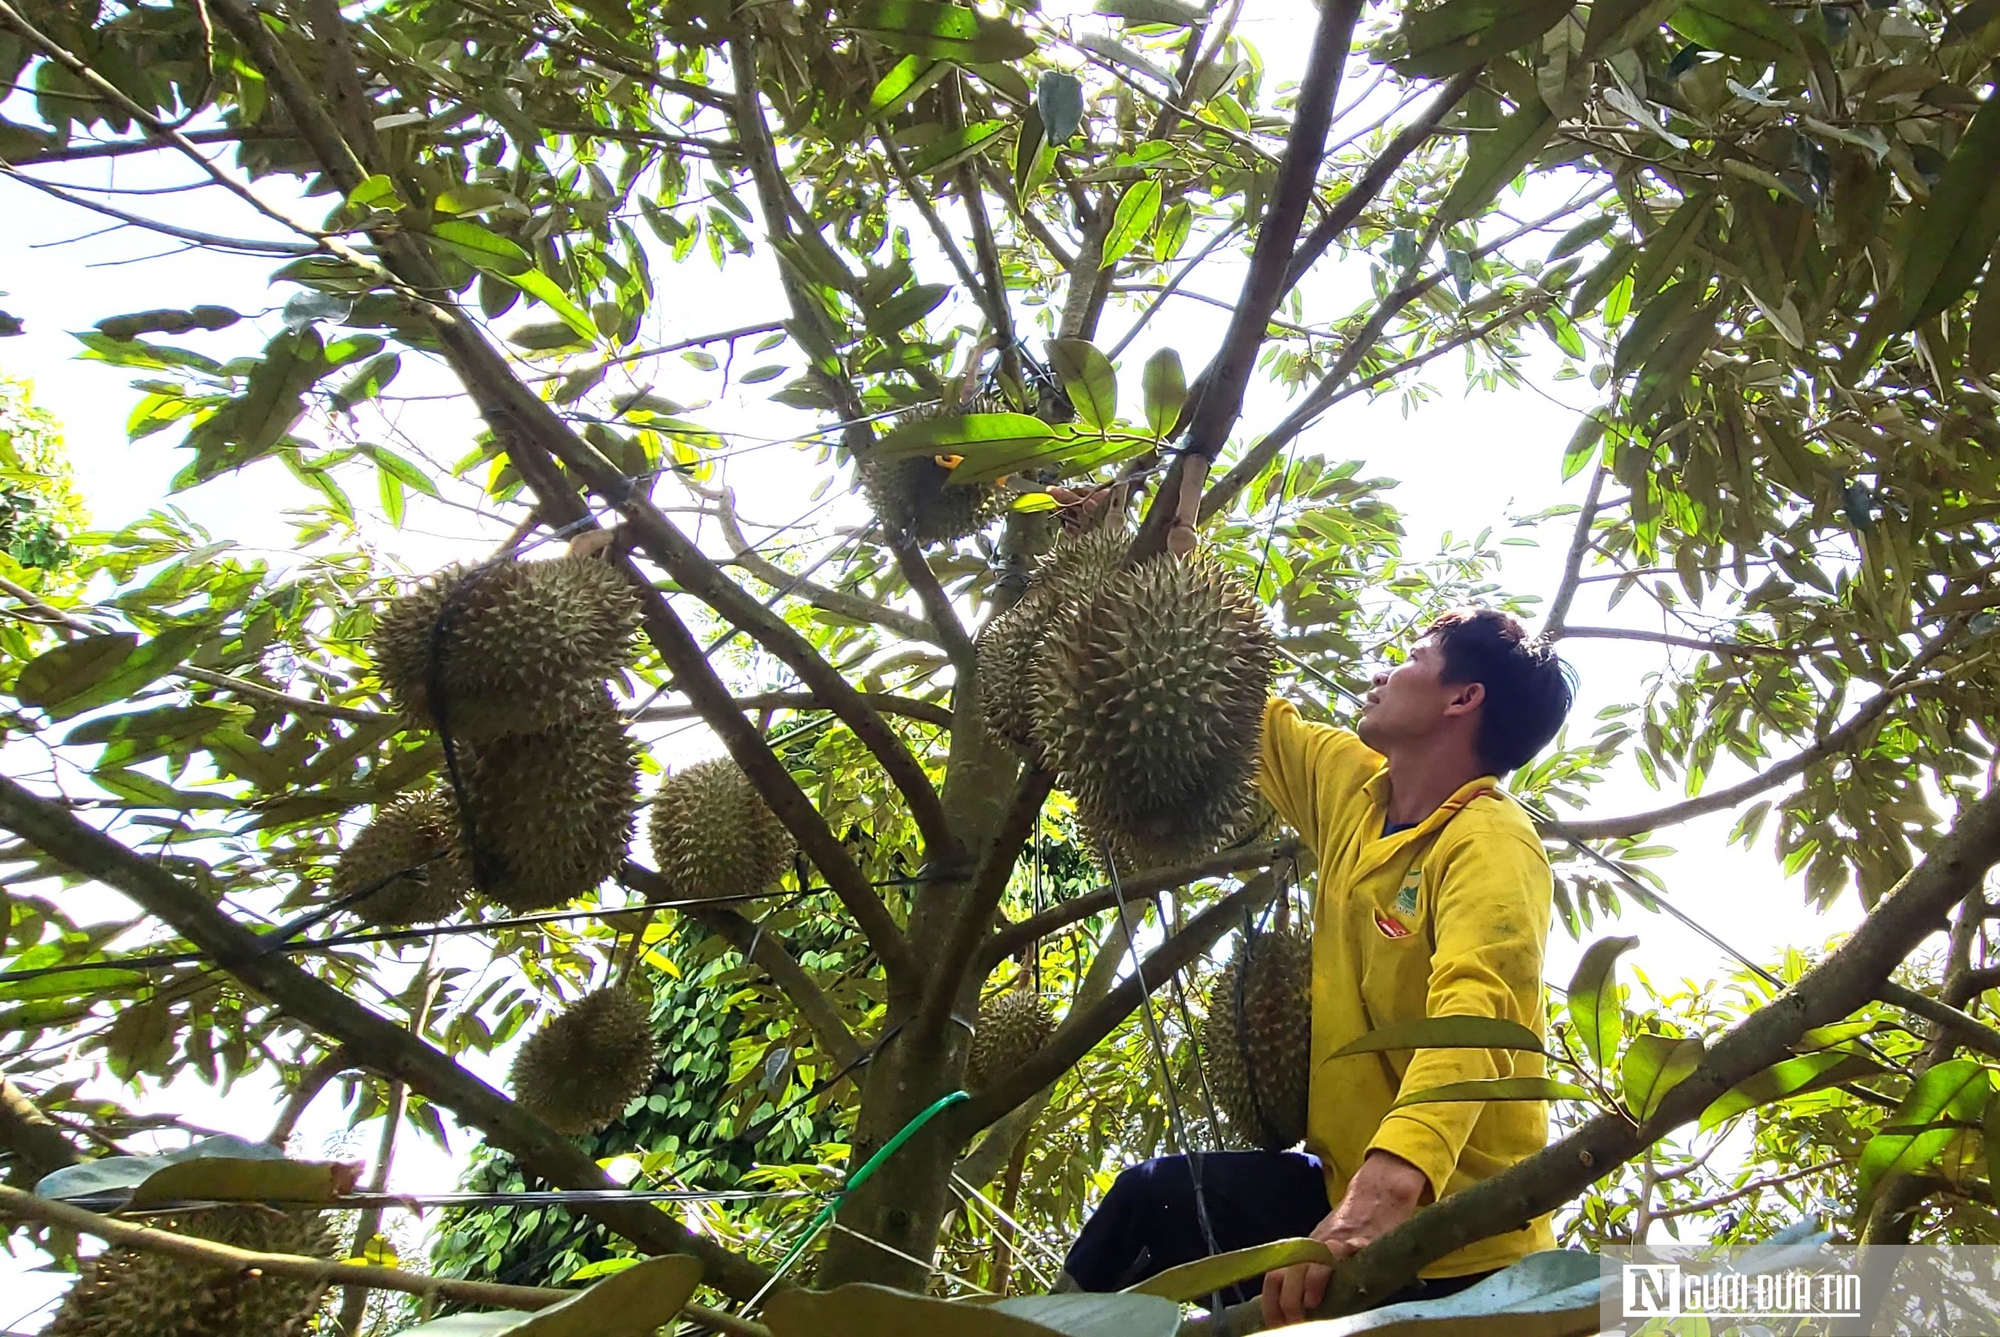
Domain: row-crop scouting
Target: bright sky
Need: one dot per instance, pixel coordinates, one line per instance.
(1466, 463)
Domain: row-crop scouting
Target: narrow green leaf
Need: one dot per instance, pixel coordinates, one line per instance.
(482, 248)
(1087, 379)
(1438, 41)
(1452, 1032)
(955, 146)
(1496, 1088)
(1495, 159)
(1033, 158)
(1982, 345)
(1136, 211)
(1751, 29)
(1617, 24)
(1196, 1281)
(389, 489)
(1165, 387)
(906, 308)
(1033, 503)
(1600, 281)
(1653, 1065)
(1119, 1314)
(1782, 1081)
(968, 435)
(1154, 11)
(1958, 1089)
(944, 32)
(1659, 319)
(260, 1179)
(632, 1303)
(1595, 1013)
(1580, 236)
(544, 290)
(910, 76)
(99, 670)
(1959, 225)
(1582, 447)
(378, 191)
(1670, 243)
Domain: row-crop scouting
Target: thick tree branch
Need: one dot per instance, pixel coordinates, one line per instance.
(768, 951)
(944, 620)
(1017, 937)
(38, 1145)
(949, 979)
(1966, 1030)
(1579, 547)
(1830, 991)
(374, 1041)
(930, 712)
(1081, 1032)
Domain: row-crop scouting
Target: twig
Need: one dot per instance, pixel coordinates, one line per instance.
(311, 1082)
(211, 240)
(1579, 546)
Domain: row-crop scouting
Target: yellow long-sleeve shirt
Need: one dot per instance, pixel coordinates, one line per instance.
(1449, 918)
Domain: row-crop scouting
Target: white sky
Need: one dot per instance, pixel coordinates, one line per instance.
(1466, 462)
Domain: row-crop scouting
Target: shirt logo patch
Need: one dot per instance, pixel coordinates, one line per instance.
(1406, 896)
(1390, 928)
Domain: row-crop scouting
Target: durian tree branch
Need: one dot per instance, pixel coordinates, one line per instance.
(944, 619)
(949, 978)
(1844, 981)
(1228, 373)
(1579, 548)
(1081, 1032)
(769, 951)
(1019, 936)
(39, 1146)
(327, 1272)
(838, 602)
(930, 712)
(374, 1041)
(1835, 742)
(311, 1082)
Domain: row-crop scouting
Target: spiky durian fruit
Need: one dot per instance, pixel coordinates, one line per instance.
(514, 646)
(1149, 701)
(410, 854)
(549, 814)
(714, 836)
(1012, 642)
(1012, 1026)
(130, 1293)
(1257, 1038)
(580, 1071)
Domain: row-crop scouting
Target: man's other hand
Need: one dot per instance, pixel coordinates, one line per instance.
(1380, 1197)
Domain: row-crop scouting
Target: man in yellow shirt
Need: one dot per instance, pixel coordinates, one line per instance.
(1434, 900)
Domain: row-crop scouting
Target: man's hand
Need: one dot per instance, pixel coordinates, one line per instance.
(1380, 1197)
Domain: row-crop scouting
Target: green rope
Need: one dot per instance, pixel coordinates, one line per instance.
(860, 1177)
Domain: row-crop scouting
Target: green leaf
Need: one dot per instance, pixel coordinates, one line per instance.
(906, 308)
(1582, 447)
(114, 1174)
(861, 1310)
(482, 248)
(968, 435)
(1958, 226)
(1450, 1032)
(99, 670)
(1438, 41)
(1164, 385)
(1170, 12)
(1033, 158)
(1496, 1088)
(1496, 158)
(945, 32)
(1595, 1013)
(1660, 318)
(1793, 1077)
(955, 146)
(906, 79)
(233, 1179)
(1982, 345)
(1751, 29)
(544, 290)
(1654, 1065)
(1087, 379)
(1670, 243)
(1958, 1089)
(1033, 503)
(1191, 1282)
(249, 426)
(632, 1303)
(370, 381)
(1580, 236)
(1119, 1314)
(378, 191)
(1136, 211)
(1617, 24)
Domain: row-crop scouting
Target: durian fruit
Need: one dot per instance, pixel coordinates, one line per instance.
(911, 494)
(549, 815)
(1149, 699)
(580, 1071)
(1012, 1026)
(523, 645)
(714, 836)
(1011, 642)
(1257, 1038)
(131, 1293)
(414, 843)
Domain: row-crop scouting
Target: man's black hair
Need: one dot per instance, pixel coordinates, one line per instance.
(1528, 688)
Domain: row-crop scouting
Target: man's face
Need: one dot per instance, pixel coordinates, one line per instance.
(1410, 702)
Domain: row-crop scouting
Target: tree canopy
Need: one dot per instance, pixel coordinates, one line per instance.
(1760, 231)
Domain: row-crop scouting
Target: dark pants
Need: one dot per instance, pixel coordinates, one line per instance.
(1147, 1223)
